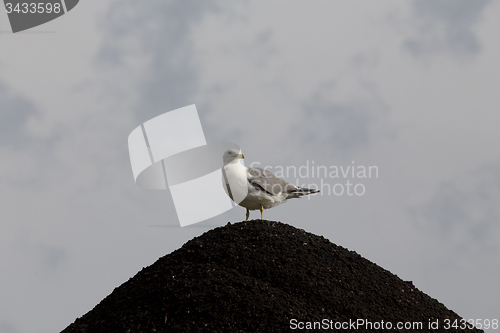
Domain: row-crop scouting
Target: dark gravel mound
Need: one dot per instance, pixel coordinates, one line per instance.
(263, 276)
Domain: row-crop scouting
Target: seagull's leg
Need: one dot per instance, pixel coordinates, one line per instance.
(261, 212)
(248, 214)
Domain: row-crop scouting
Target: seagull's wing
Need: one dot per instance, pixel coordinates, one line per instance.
(265, 180)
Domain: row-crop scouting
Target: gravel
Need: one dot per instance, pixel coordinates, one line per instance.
(264, 276)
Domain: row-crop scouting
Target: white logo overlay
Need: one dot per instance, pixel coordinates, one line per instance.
(171, 150)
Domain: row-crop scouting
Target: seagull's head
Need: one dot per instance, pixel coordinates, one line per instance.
(232, 155)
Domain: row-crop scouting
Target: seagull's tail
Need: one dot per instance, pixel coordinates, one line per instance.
(300, 191)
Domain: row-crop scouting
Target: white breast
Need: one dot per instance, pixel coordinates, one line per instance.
(236, 179)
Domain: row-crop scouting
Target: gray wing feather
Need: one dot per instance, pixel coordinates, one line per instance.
(269, 182)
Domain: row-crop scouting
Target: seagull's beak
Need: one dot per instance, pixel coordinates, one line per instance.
(242, 156)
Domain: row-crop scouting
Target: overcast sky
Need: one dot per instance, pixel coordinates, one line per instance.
(409, 87)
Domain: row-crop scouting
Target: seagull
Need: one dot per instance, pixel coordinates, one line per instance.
(256, 188)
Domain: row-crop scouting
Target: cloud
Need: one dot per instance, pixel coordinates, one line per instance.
(158, 36)
(15, 112)
(445, 26)
(7, 328)
(463, 213)
(457, 227)
(52, 256)
(344, 125)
